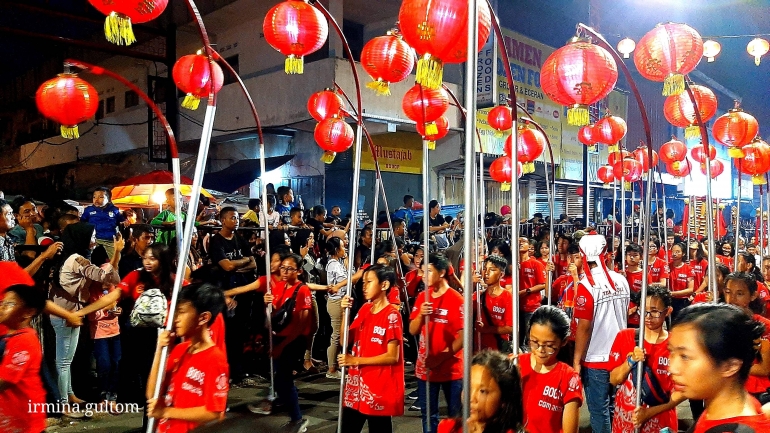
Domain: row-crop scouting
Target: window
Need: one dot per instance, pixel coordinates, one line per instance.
(132, 99)
(100, 110)
(233, 61)
(109, 106)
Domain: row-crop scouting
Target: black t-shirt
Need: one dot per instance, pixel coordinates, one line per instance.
(129, 262)
(438, 221)
(221, 248)
(317, 226)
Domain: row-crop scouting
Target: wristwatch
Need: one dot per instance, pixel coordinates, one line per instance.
(528, 291)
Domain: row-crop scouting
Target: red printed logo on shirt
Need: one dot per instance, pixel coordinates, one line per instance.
(581, 301)
(393, 318)
(20, 358)
(222, 382)
(574, 383)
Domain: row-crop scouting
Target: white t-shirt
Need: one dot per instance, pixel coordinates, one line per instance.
(335, 274)
(272, 219)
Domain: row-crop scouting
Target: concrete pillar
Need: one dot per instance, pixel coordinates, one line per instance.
(335, 44)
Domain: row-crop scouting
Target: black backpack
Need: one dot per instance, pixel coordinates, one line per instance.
(281, 317)
(652, 392)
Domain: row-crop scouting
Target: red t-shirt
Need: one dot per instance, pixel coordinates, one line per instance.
(262, 281)
(658, 270)
(531, 274)
(453, 425)
(561, 266)
(699, 270)
(764, 295)
(680, 277)
(545, 395)
(625, 397)
(506, 281)
(445, 324)
(727, 261)
(567, 302)
(282, 293)
(23, 398)
(131, 286)
(700, 298)
(413, 279)
(394, 296)
(759, 423)
(559, 285)
(634, 279)
(217, 333)
(376, 390)
(194, 380)
(759, 384)
(662, 254)
(498, 309)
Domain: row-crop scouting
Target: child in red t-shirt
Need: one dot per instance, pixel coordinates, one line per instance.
(552, 390)
(495, 324)
(374, 386)
(532, 282)
(195, 381)
(496, 398)
(682, 278)
(21, 388)
(624, 357)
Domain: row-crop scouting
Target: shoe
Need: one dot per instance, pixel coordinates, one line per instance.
(336, 375)
(412, 395)
(264, 407)
(298, 426)
(73, 415)
(414, 408)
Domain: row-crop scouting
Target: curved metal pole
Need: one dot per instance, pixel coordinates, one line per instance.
(737, 228)
(425, 263)
(665, 218)
(200, 168)
(766, 244)
(377, 182)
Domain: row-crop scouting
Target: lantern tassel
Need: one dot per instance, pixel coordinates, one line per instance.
(673, 85)
(328, 157)
(613, 148)
(294, 65)
(606, 186)
(528, 167)
(735, 152)
(70, 131)
(431, 145)
(505, 186)
(431, 129)
(118, 30)
(191, 102)
(676, 164)
(626, 186)
(692, 131)
(758, 179)
(577, 115)
(381, 88)
(430, 72)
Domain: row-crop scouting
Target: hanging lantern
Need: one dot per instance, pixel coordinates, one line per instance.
(501, 119)
(529, 146)
(67, 100)
(717, 168)
(626, 46)
(673, 152)
(324, 104)
(577, 75)
(387, 59)
(579, 191)
(438, 32)
(640, 154)
(192, 75)
(756, 161)
(681, 169)
(586, 135)
(423, 105)
(667, 53)
(758, 47)
(442, 124)
(735, 129)
(616, 156)
(680, 112)
(628, 170)
(606, 175)
(295, 29)
(121, 13)
(333, 135)
(698, 154)
(610, 130)
(501, 171)
(711, 49)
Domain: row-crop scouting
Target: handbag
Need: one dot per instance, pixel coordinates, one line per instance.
(150, 310)
(281, 318)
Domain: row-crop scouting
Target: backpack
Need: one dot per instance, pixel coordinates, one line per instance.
(150, 310)
(281, 317)
(652, 392)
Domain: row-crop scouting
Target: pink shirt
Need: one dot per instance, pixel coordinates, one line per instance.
(102, 323)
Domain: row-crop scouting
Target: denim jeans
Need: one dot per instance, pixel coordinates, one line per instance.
(284, 376)
(107, 353)
(66, 343)
(452, 391)
(597, 387)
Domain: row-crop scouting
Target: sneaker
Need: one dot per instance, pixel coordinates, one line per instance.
(414, 408)
(336, 375)
(412, 395)
(298, 426)
(264, 407)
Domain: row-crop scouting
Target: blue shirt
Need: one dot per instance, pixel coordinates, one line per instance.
(105, 219)
(285, 211)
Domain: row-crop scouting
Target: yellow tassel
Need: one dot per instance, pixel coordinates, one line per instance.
(673, 85)
(528, 167)
(381, 88)
(735, 152)
(431, 145)
(191, 102)
(430, 72)
(758, 179)
(692, 131)
(626, 186)
(505, 186)
(577, 115)
(606, 186)
(117, 29)
(499, 133)
(294, 65)
(676, 164)
(592, 148)
(431, 129)
(613, 148)
(70, 131)
(328, 157)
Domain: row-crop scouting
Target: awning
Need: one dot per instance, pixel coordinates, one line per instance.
(241, 173)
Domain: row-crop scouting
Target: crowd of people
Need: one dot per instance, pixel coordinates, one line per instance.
(111, 273)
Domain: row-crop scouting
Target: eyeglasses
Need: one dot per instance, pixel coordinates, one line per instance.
(654, 314)
(287, 269)
(549, 350)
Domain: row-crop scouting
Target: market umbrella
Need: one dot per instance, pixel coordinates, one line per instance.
(149, 189)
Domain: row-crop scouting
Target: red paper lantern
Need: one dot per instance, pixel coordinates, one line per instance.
(333, 135)
(717, 168)
(680, 112)
(324, 104)
(424, 105)
(192, 75)
(442, 124)
(627, 170)
(387, 59)
(500, 118)
(667, 53)
(606, 174)
(579, 191)
(699, 155)
(121, 13)
(673, 151)
(641, 155)
(735, 129)
(679, 169)
(578, 75)
(586, 135)
(295, 29)
(614, 157)
(610, 130)
(756, 161)
(501, 171)
(67, 100)
(438, 31)
(529, 147)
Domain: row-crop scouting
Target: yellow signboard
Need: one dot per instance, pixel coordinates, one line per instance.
(399, 152)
